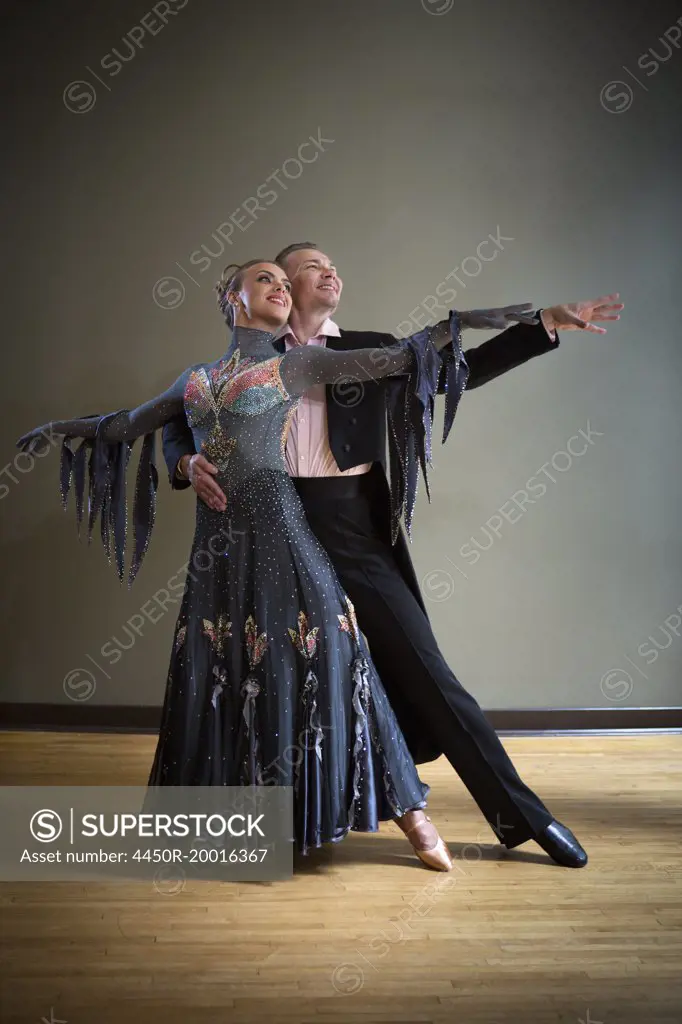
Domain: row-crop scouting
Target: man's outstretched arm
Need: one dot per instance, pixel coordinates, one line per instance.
(524, 341)
(523, 336)
(509, 349)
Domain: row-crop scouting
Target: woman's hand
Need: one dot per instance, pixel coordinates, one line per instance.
(498, 319)
(38, 440)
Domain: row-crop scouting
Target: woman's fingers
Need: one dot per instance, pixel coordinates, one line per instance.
(35, 442)
(518, 307)
(522, 318)
(519, 312)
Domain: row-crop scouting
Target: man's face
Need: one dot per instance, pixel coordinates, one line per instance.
(315, 285)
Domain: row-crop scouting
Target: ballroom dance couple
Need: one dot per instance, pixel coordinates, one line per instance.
(302, 626)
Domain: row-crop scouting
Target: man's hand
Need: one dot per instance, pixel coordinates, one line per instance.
(200, 472)
(580, 316)
(498, 319)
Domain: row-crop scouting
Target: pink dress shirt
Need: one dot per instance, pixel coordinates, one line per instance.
(307, 451)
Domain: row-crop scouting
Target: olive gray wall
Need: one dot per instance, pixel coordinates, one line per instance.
(554, 128)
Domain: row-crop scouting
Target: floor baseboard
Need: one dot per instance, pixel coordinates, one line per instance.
(146, 719)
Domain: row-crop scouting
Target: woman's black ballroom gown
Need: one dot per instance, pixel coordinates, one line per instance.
(270, 680)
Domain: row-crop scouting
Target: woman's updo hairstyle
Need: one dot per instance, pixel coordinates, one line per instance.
(230, 281)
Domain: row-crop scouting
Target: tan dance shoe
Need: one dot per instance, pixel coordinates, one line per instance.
(435, 856)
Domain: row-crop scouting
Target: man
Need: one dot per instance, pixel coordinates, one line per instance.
(336, 453)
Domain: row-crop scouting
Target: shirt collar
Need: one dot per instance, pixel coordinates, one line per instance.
(328, 330)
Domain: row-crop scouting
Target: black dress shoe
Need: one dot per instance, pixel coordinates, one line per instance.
(562, 846)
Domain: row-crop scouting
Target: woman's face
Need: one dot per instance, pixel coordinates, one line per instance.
(264, 296)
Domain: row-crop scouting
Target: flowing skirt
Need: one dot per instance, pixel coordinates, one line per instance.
(270, 679)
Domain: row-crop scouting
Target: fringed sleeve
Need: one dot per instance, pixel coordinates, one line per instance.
(410, 405)
(414, 366)
(104, 464)
(98, 468)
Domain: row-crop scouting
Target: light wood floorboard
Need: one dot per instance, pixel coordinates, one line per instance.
(363, 933)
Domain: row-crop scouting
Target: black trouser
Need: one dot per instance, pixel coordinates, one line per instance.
(348, 516)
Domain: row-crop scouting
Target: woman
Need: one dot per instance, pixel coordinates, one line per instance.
(267, 655)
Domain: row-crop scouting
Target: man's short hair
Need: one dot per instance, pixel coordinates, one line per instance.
(280, 258)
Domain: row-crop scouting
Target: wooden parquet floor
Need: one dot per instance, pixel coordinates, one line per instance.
(363, 933)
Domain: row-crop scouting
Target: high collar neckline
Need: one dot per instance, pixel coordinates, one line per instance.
(253, 342)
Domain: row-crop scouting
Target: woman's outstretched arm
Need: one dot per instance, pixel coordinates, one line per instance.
(302, 368)
(126, 425)
(98, 468)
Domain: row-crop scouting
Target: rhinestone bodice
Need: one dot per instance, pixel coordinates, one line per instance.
(238, 410)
